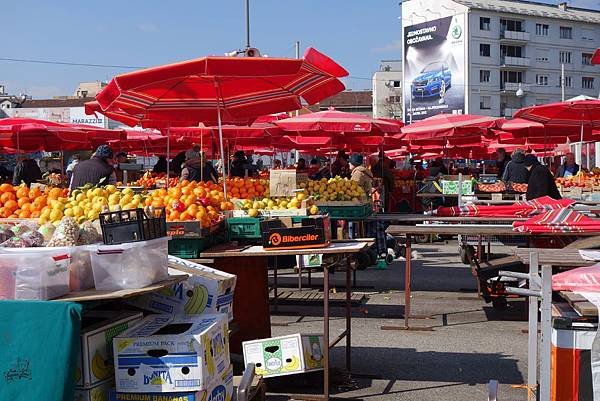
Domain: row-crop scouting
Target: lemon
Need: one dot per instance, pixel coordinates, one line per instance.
(56, 215)
(128, 191)
(69, 212)
(111, 189)
(253, 213)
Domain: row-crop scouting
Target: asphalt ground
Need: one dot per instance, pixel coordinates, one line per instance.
(466, 343)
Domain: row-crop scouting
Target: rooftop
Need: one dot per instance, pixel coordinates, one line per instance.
(72, 102)
(534, 9)
(348, 99)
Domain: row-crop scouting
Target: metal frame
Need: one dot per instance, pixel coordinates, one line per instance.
(540, 290)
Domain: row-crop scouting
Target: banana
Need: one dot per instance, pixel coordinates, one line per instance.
(99, 367)
(293, 365)
(198, 301)
(99, 394)
(208, 358)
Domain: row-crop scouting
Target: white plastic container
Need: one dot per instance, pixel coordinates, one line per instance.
(34, 273)
(81, 276)
(130, 265)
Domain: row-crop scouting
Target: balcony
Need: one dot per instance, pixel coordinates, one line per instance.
(512, 87)
(507, 111)
(512, 62)
(514, 36)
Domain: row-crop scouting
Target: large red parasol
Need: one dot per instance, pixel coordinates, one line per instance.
(443, 125)
(31, 134)
(219, 90)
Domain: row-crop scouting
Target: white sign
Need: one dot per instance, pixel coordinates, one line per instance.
(77, 116)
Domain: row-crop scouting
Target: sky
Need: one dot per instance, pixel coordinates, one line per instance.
(355, 33)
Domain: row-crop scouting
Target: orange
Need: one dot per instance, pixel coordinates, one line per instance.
(22, 192)
(39, 202)
(24, 214)
(174, 215)
(6, 196)
(185, 216)
(35, 214)
(3, 212)
(22, 201)
(55, 193)
(6, 188)
(11, 205)
(34, 193)
(26, 207)
(187, 190)
(184, 183)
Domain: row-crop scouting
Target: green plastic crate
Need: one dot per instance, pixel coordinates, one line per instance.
(347, 212)
(241, 228)
(189, 248)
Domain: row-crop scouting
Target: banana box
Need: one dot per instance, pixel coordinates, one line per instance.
(219, 390)
(172, 353)
(287, 355)
(95, 362)
(99, 392)
(206, 290)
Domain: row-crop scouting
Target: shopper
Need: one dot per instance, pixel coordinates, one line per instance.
(437, 168)
(96, 171)
(238, 164)
(121, 157)
(74, 161)
(177, 163)
(515, 171)
(361, 174)
(569, 167)
(209, 172)
(27, 171)
(161, 165)
(301, 166)
(541, 181)
(382, 169)
(191, 169)
(340, 165)
(502, 159)
(277, 164)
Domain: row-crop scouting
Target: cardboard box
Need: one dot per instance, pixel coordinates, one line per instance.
(206, 291)
(287, 355)
(95, 362)
(99, 392)
(220, 389)
(282, 233)
(285, 182)
(165, 353)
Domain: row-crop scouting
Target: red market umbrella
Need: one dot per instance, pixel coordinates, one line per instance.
(596, 57)
(32, 134)
(220, 90)
(331, 122)
(517, 209)
(443, 125)
(560, 220)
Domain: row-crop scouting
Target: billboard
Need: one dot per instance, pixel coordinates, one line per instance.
(434, 67)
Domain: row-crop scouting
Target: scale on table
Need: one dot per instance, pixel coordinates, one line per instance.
(125, 167)
(488, 178)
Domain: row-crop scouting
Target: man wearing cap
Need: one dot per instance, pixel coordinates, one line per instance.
(360, 173)
(96, 171)
(541, 181)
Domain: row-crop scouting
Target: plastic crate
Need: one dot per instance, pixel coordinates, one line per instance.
(189, 248)
(132, 225)
(241, 228)
(347, 212)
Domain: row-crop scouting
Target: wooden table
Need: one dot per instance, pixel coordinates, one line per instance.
(345, 248)
(554, 257)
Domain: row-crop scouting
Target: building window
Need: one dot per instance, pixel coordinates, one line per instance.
(485, 102)
(511, 25)
(564, 57)
(587, 83)
(484, 75)
(587, 34)
(513, 77)
(541, 55)
(484, 23)
(396, 84)
(511, 51)
(541, 29)
(568, 82)
(586, 58)
(484, 50)
(566, 32)
(541, 80)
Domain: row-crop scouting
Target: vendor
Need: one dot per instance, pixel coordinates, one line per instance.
(515, 170)
(96, 171)
(121, 157)
(569, 167)
(360, 173)
(301, 166)
(340, 165)
(502, 159)
(27, 171)
(161, 165)
(238, 164)
(277, 164)
(437, 168)
(541, 181)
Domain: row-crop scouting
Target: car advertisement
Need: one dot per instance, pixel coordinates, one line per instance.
(434, 68)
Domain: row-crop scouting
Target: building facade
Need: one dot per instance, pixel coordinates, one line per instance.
(350, 101)
(497, 55)
(387, 90)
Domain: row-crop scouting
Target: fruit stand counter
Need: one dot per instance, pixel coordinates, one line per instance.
(251, 304)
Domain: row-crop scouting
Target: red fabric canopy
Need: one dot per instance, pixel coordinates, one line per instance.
(331, 122)
(443, 125)
(517, 209)
(571, 113)
(241, 87)
(28, 134)
(560, 220)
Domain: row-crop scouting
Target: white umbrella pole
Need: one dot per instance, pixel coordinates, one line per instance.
(222, 149)
(168, 155)
(581, 147)
(201, 159)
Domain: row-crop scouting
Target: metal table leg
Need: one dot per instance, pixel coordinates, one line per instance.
(348, 316)
(408, 257)
(326, 332)
(532, 335)
(275, 306)
(546, 333)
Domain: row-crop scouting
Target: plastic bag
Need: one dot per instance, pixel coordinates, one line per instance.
(47, 230)
(582, 279)
(33, 238)
(5, 234)
(88, 234)
(66, 234)
(20, 229)
(14, 242)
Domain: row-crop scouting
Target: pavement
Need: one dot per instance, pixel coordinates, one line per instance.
(465, 344)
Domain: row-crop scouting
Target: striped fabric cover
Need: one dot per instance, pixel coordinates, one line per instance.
(517, 209)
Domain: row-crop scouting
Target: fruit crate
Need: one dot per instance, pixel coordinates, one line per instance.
(347, 212)
(191, 248)
(248, 228)
(132, 226)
